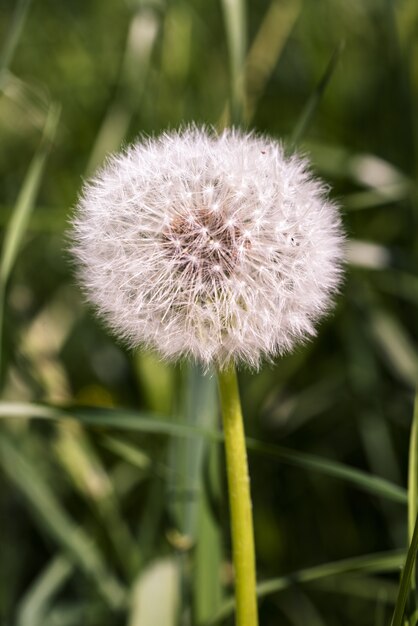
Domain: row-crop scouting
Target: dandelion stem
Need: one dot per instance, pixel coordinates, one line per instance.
(239, 499)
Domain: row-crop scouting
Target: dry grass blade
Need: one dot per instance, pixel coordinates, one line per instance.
(160, 580)
(368, 254)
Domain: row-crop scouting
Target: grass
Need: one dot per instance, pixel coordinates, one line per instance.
(112, 483)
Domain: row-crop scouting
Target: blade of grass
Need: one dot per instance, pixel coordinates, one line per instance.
(235, 16)
(266, 49)
(293, 411)
(26, 99)
(370, 563)
(413, 476)
(400, 284)
(396, 346)
(208, 551)
(131, 420)
(197, 411)
(368, 254)
(197, 407)
(378, 197)
(404, 586)
(362, 480)
(13, 36)
(129, 453)
(366, 587)
(54, 520)
(157, 581)
(362, 168)
(151, 519)
(299, 609)
(263, 56)
(208, 559)
(26, 199)
(75, 614)
(86, 472)
(413, 493)
(137, 458)
(35, 604)
(315, 99)
(132, 77)
(381, 607)
(24, 205)
(45, 220)
(157, 381)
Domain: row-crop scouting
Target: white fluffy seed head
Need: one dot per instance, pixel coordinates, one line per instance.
(212, 246)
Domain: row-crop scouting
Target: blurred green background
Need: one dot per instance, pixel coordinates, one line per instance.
(119, 516)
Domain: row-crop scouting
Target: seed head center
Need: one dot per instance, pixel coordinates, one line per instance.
(203, 244)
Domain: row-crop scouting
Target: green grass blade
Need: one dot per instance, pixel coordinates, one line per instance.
(186, 454)
(13, 35)
(235, 16)
(373, 198)
(129, 453)
(315, 99)
(367, 587)
(368, 564)
(413, 485)
(362, 480)
(86, 472)
(413, 472)
(157, 381)
(400, 284)
(24, 205)
(197, 408)
(132, 79)
(26, 199)
(404, 586)
(75, 614)
(54, 520)
(396, 346)
(207, 537)
(36, 602)
(132, 420)
(208, 562)
(266, 49)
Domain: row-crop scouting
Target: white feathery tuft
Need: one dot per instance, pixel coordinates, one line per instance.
(212, 246)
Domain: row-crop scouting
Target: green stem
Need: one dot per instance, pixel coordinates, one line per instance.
(397, 619)
(413, 476)
(413, 470)
(239, 499)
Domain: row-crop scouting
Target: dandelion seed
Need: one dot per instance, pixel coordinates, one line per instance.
(212, 246)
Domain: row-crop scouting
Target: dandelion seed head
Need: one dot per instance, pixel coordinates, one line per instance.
(217, 247)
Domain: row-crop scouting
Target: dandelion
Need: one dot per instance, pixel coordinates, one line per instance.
(215, 247)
